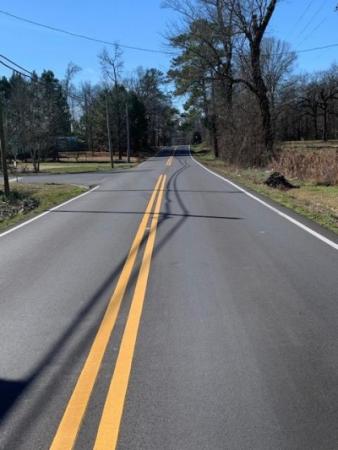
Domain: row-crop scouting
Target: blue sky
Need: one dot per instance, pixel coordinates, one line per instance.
(143, 23)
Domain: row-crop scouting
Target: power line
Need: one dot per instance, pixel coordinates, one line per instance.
(314, 49)
(101, 41)
(307, 7)
(296, 52)
(14, 70)
(82, 36)
(15, 64)
(30, 75)
(312, 18)
(143, 49)
(313, 30)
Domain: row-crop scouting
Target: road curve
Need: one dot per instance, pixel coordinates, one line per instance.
(167, 310)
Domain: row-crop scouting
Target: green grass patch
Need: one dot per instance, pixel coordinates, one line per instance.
(42, 197)
(318, 203)
(73, 167)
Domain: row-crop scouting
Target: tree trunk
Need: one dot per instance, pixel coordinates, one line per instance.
(226, 30)
(263, 100)
(267, 124)
(315, 124)
(3, 154)
(36, 164)
(36, 160)
(214, 120)
(325, 124)
(215, 137)
(119, 125)
(110, 148)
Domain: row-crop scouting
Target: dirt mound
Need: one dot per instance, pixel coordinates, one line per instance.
(277, 181)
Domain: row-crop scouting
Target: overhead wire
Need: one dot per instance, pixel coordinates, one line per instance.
(313, 31)
(14, 63)
(312, 18)
(28, 74)
(82, 36)
(301, 17)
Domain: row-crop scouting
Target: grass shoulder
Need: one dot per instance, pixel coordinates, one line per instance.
(73, 167)
(29, 200)
(318, 203)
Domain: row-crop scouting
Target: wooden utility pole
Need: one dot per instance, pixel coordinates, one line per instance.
(109, 135)
(128, 133)
(3, 152)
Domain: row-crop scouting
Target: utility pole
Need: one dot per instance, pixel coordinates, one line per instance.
(109, 135)
(128, 133)
(3, 152)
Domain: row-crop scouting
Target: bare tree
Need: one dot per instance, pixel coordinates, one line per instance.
(88, 95)
(318, 99)
(252, 19)
(3, 152)
(112, 65)
(71, 71)
(277, 64)
(309, 102)
(328, 92)
(227, 37)
(221, 14)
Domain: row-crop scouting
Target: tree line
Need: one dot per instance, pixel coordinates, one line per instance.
(142, 98)
(239, 83)
(113, 115)
(35, 111)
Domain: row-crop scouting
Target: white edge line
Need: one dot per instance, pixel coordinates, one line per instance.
(277, 211)
(33, 219)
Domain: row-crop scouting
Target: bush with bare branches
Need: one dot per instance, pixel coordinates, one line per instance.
(319, 166)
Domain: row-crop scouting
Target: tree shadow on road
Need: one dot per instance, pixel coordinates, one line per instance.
(11, 391)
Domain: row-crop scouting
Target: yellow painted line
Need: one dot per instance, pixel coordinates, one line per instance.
(109, 426)
(69, 426)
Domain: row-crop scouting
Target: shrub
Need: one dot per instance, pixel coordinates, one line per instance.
(320, 166)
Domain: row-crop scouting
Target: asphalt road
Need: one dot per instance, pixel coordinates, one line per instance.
(221, 330)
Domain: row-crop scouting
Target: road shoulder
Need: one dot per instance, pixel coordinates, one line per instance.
(305, 221)
(45, 196)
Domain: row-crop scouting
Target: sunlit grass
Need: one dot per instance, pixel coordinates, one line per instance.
(46, 196)
(73, 167)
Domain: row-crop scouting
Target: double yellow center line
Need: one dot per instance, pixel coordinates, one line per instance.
(108, 430)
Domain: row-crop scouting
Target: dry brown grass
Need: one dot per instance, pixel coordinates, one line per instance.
(319, 166)
(318, 203)
(309, 145)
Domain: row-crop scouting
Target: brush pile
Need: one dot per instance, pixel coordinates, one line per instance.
(277, 181)
(16, 204)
